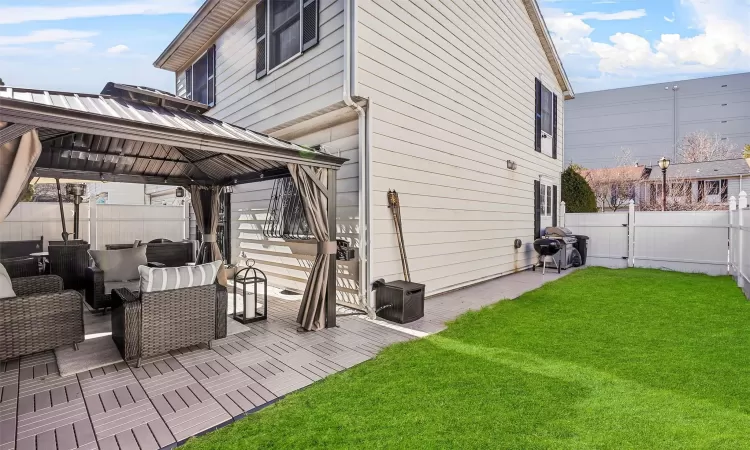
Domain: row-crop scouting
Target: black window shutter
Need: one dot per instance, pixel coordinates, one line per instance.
(310, 17)
(538, 116)
(537, 209)
(189, 83)
(260, 39)
(724, 191)
(554, 126)
(212, 75)
(701, 190)
(554, 206)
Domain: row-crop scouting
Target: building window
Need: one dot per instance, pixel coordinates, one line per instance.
(547, 111)
(545, 124)
(545, 200)
(200, 79)
(713, 187)
(284, 29)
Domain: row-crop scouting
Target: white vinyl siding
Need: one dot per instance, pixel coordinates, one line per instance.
(287, 263)
(453, 89)
(305, 86)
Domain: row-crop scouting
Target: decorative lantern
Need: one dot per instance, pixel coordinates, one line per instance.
(179, 192)
(250, 278)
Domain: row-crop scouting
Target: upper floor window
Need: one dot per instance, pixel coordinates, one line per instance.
(200, 79)
(545, 120)
(284, 29)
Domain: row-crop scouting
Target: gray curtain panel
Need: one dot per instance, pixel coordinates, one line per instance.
(17, 160)
(312, 312)
(205, 201)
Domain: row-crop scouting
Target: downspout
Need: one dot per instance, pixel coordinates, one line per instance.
(363, 163)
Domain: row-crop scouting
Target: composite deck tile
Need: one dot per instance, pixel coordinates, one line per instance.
(338, 354)
(96, 381)
(38, 421)
(193, 355)
(160, 384)
(249, 355)
(117, 420)
(191, 420)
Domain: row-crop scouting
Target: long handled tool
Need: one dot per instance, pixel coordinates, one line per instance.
(395, 206)
(65, 233)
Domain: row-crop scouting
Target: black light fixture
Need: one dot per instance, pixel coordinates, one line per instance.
(664, 165)
(179, 192)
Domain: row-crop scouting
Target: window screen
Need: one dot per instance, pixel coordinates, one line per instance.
(547, 110)
(200, 79)
(285, 30)
(549, 201)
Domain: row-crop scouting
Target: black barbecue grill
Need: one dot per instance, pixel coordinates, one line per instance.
(547, 247)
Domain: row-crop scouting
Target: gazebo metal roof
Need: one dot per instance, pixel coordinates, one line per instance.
(137, 134)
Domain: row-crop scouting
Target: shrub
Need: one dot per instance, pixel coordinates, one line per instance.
(576, 193)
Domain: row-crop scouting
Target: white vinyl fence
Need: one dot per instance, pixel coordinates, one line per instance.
(739, 249)
(99, 224)
(683, 241)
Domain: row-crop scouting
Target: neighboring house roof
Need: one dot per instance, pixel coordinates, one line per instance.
(216, 15)
(708, 169)
(635, 173)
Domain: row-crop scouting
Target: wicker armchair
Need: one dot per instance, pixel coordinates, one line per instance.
(154, 323)
(167, 254)
(40, 318)
(21, 267)
(70, 262)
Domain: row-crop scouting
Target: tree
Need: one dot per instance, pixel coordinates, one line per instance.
(701, 146)
(576, 192)
(746, 153)
(614, 187)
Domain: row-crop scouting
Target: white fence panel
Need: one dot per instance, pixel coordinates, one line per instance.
(744, 245)
(123, 224)
(608, 233)
(32, 220)
(685, 241)
(99, 225)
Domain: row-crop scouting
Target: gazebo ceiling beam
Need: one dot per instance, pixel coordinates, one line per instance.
(270, 174)
(193, 164)
(46, 172)
(118, 155)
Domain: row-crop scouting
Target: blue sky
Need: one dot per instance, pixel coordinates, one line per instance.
(79, 45)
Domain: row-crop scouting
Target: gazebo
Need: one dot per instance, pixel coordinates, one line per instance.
(139, 135)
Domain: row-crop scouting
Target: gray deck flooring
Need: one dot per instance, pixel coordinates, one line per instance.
(193, 390)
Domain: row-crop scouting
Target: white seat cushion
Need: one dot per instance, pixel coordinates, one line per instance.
(167, 278)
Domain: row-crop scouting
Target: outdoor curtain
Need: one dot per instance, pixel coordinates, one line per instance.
(205, 200)
(312, 313)
(17, 160)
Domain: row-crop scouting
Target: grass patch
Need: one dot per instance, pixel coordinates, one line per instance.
(599, 359)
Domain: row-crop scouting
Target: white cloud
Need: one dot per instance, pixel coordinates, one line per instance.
(74, 46)
(121, 48)
(721, 44)
(620, 15)
(669, 19)
(42, 36)
(21, 14)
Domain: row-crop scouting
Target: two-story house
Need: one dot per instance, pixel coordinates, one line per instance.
(458, 106)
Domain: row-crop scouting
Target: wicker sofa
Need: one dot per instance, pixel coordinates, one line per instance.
(167, 254)
(153, 323)
(42, 316)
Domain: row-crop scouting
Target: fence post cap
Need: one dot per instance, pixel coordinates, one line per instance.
(562, 202)
(631, 202)
(732, 203)
(743, 194)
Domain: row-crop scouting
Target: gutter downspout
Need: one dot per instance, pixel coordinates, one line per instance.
(363, 163)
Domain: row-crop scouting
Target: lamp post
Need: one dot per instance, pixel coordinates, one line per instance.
(664, 164)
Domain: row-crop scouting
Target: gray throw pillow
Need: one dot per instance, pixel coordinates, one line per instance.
(167, 278)
(120, 265)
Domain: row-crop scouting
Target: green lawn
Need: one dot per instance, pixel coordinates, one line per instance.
(599, 359)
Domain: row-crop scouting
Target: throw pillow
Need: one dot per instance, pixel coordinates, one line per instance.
(155, 279)
(6, 287)
(120, 265)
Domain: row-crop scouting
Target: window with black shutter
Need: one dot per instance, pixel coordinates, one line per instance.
(200, 78)
(284, 29)
(545, 120)
(537, 209)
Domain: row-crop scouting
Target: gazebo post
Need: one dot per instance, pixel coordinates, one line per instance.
(331, 292)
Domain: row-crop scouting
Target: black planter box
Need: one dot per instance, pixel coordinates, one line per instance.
(400, 301)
